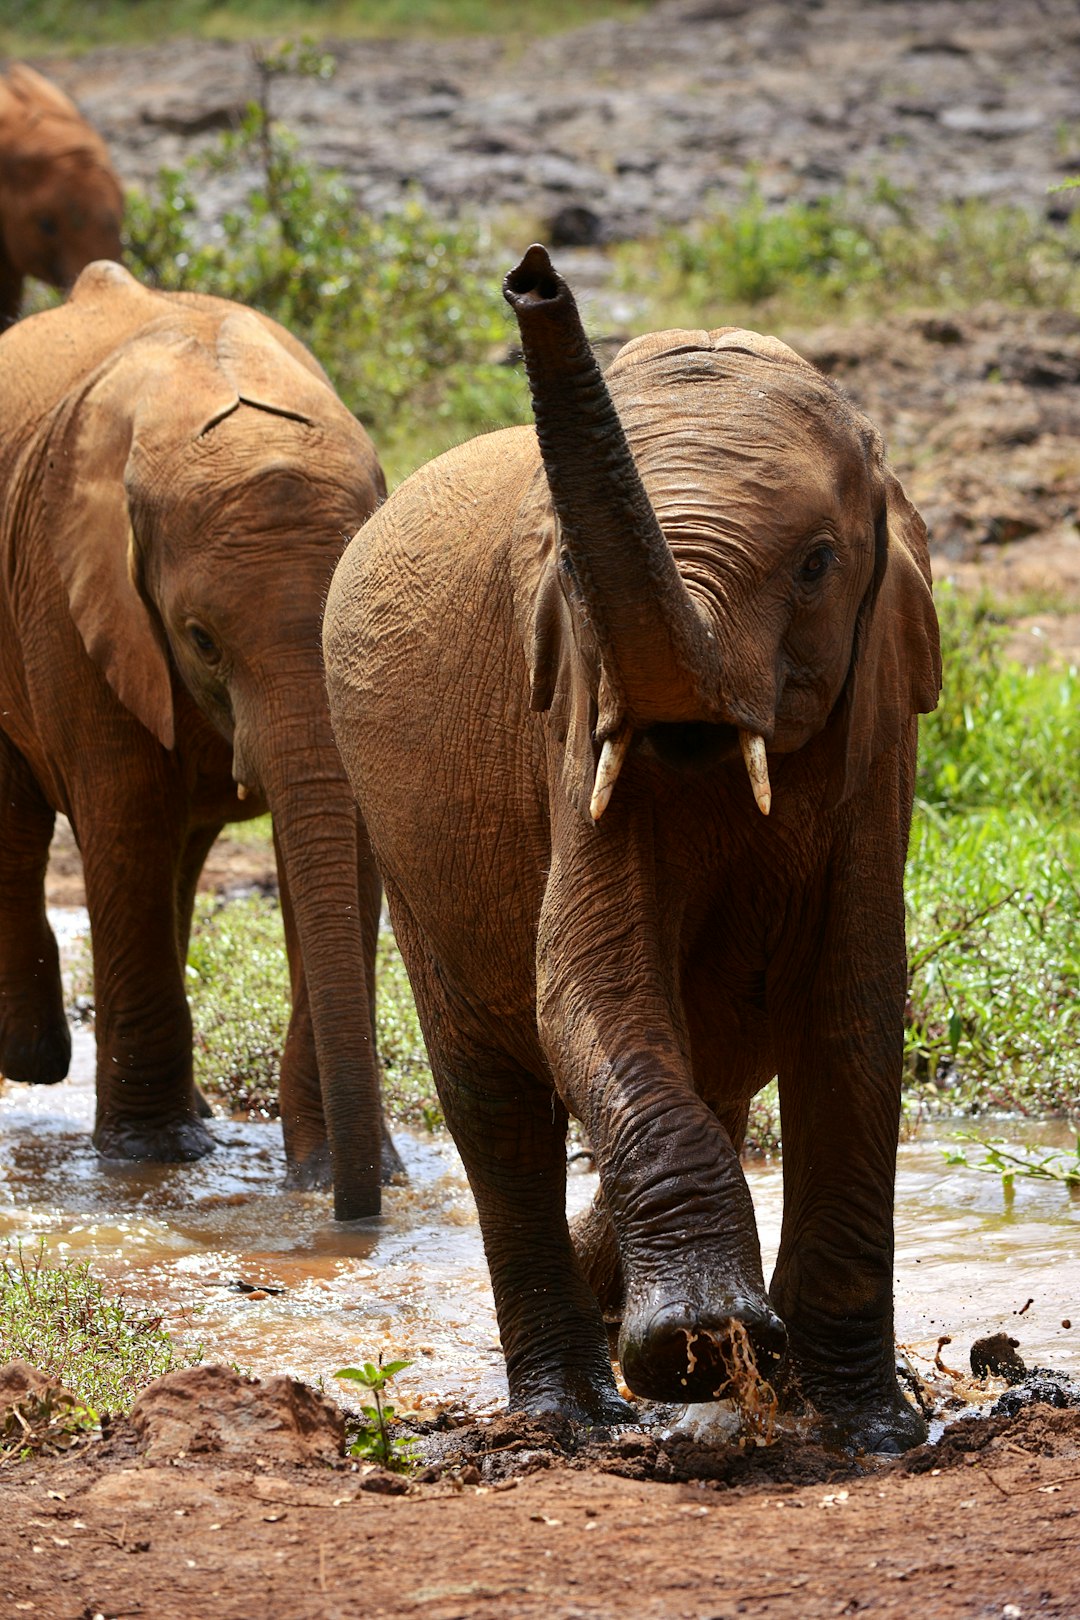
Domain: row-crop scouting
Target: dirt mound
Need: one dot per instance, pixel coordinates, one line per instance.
(213, 1411)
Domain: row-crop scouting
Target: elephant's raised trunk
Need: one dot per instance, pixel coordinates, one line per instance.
(659, 653)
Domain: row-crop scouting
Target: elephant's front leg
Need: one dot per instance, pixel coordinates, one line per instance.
(146, 1102)
(840, 1069)
(35, 1043)
(612, 1028)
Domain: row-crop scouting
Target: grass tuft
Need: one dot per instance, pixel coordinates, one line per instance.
(60, 1319)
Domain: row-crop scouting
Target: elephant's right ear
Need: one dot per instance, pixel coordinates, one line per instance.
(561, 653)
(86, 515)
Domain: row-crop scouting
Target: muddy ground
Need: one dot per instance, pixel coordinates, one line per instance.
(633, 126)
(985, 1524)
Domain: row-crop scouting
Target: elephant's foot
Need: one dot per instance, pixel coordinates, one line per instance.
(34, 1050)
(311, 1174)
(392, 1168)
(671, 1349)
(850, 1382)
(176, 1141)
(878, 1419)
(591, 1403)
(314, 1172)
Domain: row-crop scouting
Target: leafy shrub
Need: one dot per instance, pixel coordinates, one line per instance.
(401, 309)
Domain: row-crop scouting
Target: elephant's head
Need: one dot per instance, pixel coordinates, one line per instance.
(60, 201)
(201, 486)
(748, 574)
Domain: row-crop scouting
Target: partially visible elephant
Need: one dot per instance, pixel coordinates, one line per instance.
(60, 201)
(177, 482)
(548, 655)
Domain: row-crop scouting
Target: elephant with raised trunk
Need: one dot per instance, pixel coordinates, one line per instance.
(60, 201)
(629, 706)
(177, 482)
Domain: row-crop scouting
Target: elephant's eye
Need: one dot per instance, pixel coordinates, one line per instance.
(47, 225)
(205, 646)
(816, 563)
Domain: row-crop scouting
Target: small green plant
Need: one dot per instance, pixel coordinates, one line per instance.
(374, 1442)
(1030, 1164)
(60, 1319)
(37, 1425)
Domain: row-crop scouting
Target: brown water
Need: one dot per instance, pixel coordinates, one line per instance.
(414, 1284)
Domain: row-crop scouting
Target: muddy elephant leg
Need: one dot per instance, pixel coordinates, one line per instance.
(840, 1073)
(303, 1119)
(35, 1042)
(198, 846)
(511, 1133)
(146, 1107)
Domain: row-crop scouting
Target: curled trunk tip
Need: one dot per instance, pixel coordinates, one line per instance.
(534, 281)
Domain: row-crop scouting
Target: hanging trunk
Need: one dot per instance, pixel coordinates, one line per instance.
(317, 829)
(659, 653)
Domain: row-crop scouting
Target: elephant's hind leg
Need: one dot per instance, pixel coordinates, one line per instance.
(510, 1129)
(137, 895)
(35, 1042)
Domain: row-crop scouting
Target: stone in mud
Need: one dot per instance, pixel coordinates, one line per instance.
(996, 1356)
(211, 1410)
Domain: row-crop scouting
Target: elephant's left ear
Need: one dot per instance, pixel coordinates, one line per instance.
(896, 664)
(94, 441)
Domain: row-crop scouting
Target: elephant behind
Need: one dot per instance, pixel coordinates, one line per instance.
(554, 659)
(177, 482)
(60, 201)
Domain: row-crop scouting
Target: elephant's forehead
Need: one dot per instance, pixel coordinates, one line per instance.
(742, 415)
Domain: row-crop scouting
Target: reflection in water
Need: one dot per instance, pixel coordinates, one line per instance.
(414, 1284)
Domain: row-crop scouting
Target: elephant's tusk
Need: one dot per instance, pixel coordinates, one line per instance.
(241, 791)
(607, 772)
(757, 768)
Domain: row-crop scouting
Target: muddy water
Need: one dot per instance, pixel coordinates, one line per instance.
(207, 1243)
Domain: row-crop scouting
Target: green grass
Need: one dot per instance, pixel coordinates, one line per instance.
(851, 254)
(993, 881)
(60, 1318)
(238, 985)
(38, 25)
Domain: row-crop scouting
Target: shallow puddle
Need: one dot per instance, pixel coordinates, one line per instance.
(202, 1243)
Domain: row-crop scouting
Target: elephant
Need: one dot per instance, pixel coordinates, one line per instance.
(629, 705)
(61, 204)
(177, 481)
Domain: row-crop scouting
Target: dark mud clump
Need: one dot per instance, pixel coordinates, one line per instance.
(514, 1445)
(1040, 1430)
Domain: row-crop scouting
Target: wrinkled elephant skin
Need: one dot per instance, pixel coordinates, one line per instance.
(702, 557)
(177, 481)
(60, 201)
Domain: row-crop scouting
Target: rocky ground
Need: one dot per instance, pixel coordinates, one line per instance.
(602, 134)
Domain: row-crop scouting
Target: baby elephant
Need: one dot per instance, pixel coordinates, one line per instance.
(60, 202)
(177, 482)
(629, 706)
